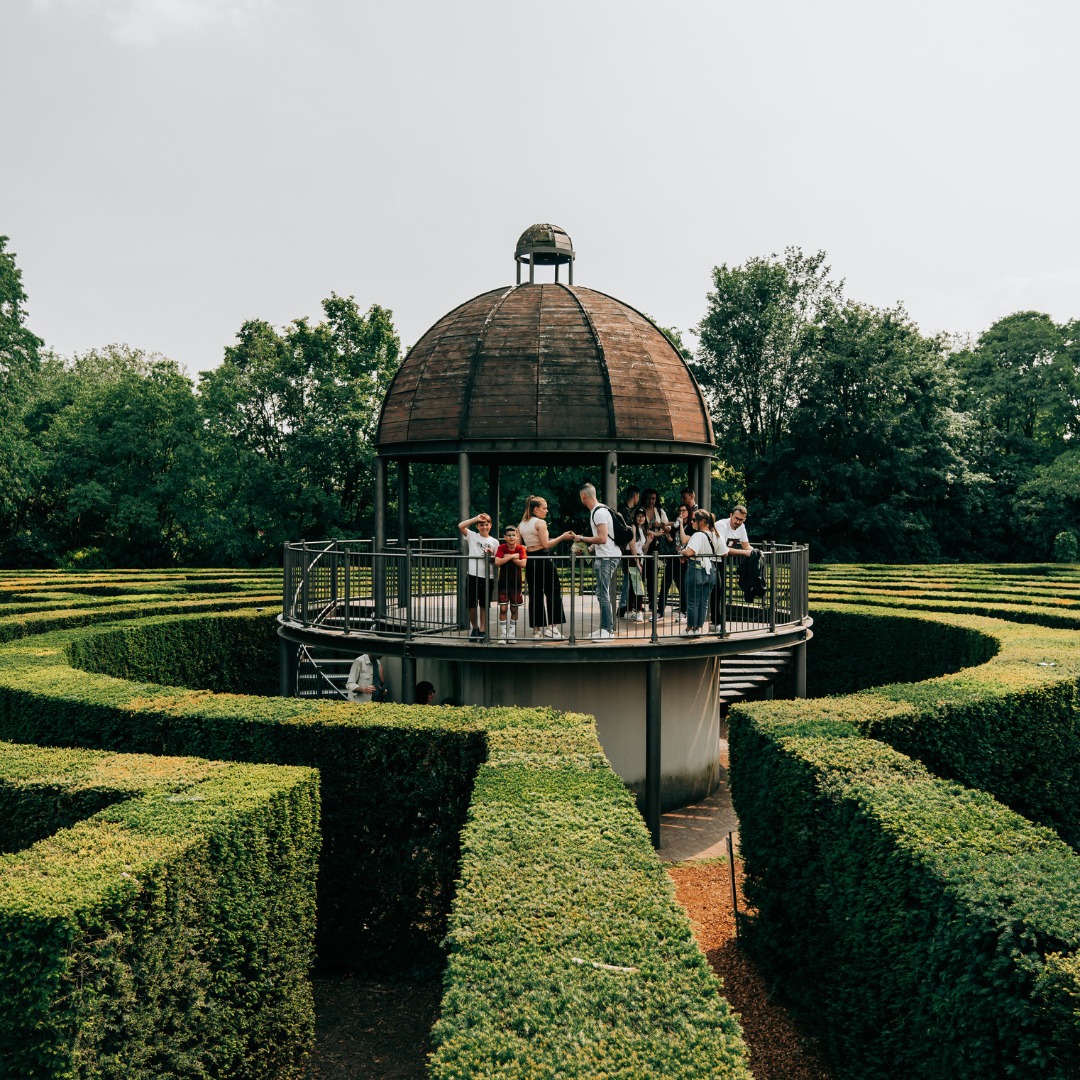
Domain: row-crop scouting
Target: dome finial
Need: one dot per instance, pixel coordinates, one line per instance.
(544, 245)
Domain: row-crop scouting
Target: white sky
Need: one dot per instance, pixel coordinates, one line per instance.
(170, 168)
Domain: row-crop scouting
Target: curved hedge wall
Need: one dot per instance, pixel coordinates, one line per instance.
(568, 956)
(921, 927)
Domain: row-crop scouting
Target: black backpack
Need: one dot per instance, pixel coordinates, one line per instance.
(623, 533)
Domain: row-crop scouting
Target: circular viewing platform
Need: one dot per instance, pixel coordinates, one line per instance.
(409, 600)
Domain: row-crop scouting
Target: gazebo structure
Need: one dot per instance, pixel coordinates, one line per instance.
(544, 373)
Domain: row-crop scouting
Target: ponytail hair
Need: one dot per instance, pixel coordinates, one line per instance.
(531, 503)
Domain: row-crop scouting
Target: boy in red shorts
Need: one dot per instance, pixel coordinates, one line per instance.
(509, 559)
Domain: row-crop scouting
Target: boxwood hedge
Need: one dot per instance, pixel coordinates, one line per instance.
(924, 928)
(568, 956)
(156, 916)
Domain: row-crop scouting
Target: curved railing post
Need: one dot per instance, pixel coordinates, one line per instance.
(347, 598)
(772, 591)
(304, 587)
(408, 594)
(573, 596)
(657, 570)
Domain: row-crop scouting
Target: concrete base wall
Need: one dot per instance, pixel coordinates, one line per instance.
(615, 695)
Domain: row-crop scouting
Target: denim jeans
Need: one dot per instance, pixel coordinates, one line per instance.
(605, 571)
(698, 588)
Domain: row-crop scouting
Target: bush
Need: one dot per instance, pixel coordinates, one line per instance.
(1066, 547)
(156, 916)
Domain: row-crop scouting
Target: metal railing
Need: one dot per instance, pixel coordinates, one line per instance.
(415, 590)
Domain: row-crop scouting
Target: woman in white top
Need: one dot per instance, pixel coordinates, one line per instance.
(545, 588)
(659, 528)
(703, 555)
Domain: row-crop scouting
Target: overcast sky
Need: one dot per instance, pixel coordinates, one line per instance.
(171, 168)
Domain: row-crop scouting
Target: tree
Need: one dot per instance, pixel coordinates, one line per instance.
(867, 466)
(20, 363)
(120, 432)
(1022, 385)
(756, 345)
(291, 419)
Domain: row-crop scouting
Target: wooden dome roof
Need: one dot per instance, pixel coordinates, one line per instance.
(544, 369)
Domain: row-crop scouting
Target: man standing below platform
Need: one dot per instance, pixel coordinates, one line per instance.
(607, 557)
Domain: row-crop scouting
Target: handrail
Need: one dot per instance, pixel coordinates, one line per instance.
(411, 592)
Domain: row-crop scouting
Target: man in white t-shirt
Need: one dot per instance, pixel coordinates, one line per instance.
(479, 584)
(732, 531)
(607, 553)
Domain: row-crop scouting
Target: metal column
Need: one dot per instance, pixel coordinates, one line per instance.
(610, 487)
(403, 501)
(493, 501)
(464, 513)
(798, 657)
(378, 561)
(287, 662)
(652, 750)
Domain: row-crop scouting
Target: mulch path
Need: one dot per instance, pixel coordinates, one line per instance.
(371, 1030)
(368, 1030)
(778, 1051)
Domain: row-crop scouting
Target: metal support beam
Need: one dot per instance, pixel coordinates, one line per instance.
(705, 484)
(652, 750)
(378, 562)
(493, 500)
(464, 513)
(610, 486)
(799, 661)
(402, 501)
(286, 668)
(408, 679)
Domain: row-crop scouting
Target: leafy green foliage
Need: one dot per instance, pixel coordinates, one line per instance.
(156, 916)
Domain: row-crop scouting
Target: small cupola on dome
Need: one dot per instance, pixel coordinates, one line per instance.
(544, 245)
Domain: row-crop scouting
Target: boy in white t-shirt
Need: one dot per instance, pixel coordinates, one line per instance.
(479, 591)
(732, 531)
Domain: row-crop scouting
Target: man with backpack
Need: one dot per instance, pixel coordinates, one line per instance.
(607, 552)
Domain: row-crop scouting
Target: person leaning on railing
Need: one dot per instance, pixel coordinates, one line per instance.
(545, 587)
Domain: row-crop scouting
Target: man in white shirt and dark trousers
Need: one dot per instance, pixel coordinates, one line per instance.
(732, 531)
(607, 557)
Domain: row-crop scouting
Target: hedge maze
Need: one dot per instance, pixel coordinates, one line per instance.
(908, 837)
(910, 842)
(496, 842)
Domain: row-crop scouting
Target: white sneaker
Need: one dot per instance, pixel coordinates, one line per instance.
(601, 635)
(538, 633)
(639, 616)
(679, 616)
(553, 632)
(511, 633)
(687, 633)
(504, 629)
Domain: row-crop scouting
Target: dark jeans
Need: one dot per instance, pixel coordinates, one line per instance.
(663, 567)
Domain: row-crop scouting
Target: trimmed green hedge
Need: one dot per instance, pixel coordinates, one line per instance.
(569, 957)
(395, 780)
(922, 928)
(156, 916)
(577, 885)
(915, 924)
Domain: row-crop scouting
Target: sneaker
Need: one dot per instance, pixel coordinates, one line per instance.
(679, 616)
(714, 628)
(475, 633)
(553, 632)
(511, 633)
(639, 616)
(688, 633)
(601, 635)
(538, 633)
